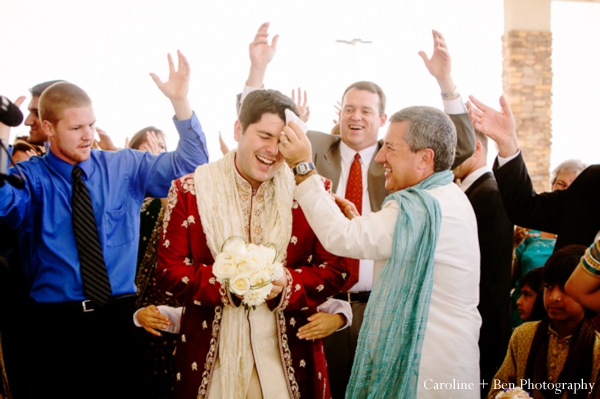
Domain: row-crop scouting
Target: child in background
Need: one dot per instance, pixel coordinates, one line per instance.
(531, 303)
(562, 348)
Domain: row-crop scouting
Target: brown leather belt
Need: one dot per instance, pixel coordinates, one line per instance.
(351, 297)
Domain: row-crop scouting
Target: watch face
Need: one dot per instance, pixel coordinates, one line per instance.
(303, 168)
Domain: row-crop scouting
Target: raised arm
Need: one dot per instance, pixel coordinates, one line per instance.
(177, 86)
(440, 67)
(584, 283)
(153, 174)
(498, 126)
(366, 237)
(261, 53)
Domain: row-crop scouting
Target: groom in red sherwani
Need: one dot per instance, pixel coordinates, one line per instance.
(248, 193)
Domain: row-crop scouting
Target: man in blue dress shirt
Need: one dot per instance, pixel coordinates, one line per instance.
(82, 349)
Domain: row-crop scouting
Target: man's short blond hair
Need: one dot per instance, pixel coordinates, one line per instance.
(58, 97)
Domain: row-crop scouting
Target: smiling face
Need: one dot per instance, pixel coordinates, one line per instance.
(561, 307)
(72, 136)
(525, 302)
(563, 180)
(258, 158)
(403, 168)
(359, 119)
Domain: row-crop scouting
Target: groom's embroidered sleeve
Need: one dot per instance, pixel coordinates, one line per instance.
(184, 262)
(313, 274)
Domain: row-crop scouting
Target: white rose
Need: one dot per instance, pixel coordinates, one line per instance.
(240, 284)
(224, 267)
(276, 270)
(235, 246)
(242, 266)
(255, 258)
(269, 252)
(253, 298)
(260, 278)
(258, 296)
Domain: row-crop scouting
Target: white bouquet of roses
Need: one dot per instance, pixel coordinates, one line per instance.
(248, 269)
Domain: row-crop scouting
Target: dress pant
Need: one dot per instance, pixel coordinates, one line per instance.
(81, 354)
(340, 348)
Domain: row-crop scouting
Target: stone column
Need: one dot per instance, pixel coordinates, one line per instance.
(527, 82)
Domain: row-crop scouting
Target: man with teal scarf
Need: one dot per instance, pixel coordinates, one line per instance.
(419, 337)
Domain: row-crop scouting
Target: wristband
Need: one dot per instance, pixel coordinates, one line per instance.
(450, 94)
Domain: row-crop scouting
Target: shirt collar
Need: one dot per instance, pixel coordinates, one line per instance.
(347, 153)
(469, 180)
(244, 186)
(65, 169)
(567, 339)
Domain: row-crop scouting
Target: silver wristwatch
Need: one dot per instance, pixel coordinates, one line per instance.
(303, 168)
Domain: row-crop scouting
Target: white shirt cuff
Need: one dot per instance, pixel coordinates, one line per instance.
(336, 306)
(247, 90)
(504, 161)
(454, 107)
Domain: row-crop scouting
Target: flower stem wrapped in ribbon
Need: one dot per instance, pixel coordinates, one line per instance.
(248, 269)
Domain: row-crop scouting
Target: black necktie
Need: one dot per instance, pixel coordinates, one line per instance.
(96, 285)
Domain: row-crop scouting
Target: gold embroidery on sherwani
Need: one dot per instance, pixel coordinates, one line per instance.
(234, 210)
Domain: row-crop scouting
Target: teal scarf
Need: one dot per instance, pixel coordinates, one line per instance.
(388, 354)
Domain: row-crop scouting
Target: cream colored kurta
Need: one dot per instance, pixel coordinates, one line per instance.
(450, 349)
(252, 214)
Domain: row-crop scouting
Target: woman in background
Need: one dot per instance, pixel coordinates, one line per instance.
(157, 351)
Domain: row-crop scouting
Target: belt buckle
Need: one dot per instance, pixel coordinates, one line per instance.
(84, 305)
(350, 297)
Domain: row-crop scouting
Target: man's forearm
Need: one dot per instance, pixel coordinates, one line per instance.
(447, 86)
(182, 108)
(256, 76)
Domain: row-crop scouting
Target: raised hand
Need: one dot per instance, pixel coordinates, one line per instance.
(261, 53)
(499, 126)
(440, 63)
(294, 145)
(338, 109)
(303, 108)
(105, 142)
(151, 144)
(177, 86)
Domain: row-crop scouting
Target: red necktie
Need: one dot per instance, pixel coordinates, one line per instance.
(354, 193)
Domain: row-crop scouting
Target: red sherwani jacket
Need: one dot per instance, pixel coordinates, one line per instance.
(184, 271)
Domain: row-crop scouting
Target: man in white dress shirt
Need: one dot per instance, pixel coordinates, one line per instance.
(439, 358)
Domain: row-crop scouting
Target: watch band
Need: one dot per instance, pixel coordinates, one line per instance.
(303, 168)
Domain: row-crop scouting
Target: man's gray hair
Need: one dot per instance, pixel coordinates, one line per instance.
(429, 127)
(570, 165)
